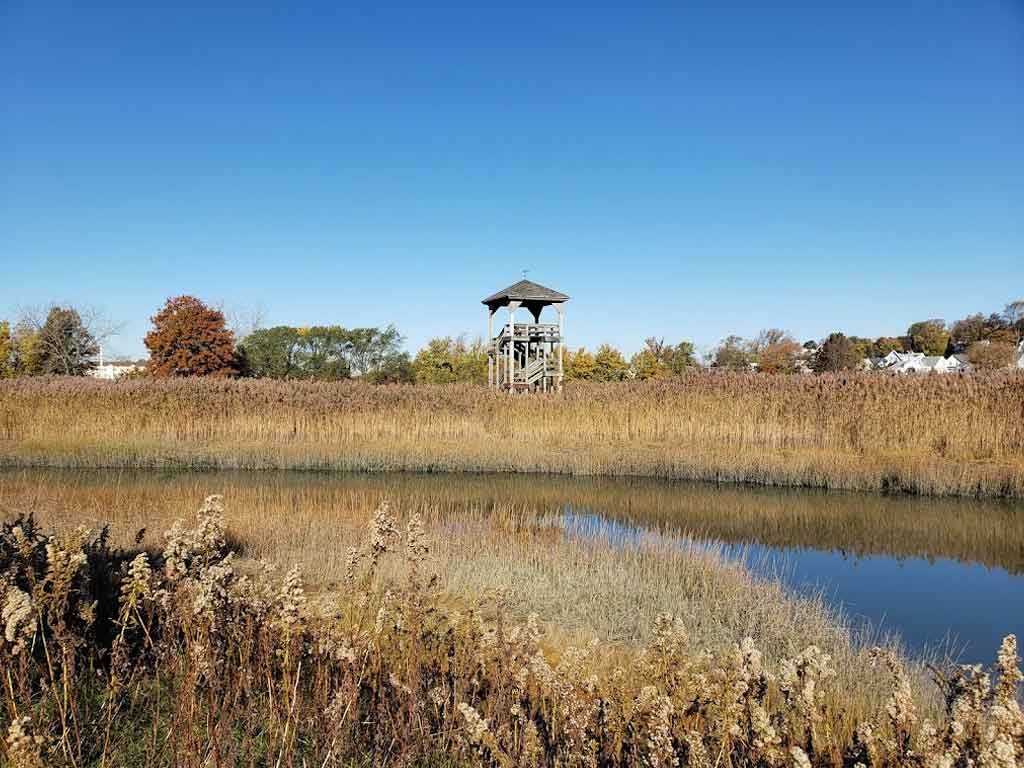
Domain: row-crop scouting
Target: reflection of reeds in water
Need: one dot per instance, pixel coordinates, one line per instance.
(961, 435)
(175, 657)
(987, 532)
(584, 587)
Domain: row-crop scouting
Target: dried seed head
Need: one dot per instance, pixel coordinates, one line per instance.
(24, 749)
(19, 619)
(416, 546)
(477, 726)
(800, 759)
(1009, 672)
(292, 597)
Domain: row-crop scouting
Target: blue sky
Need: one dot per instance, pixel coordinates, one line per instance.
(681, 169)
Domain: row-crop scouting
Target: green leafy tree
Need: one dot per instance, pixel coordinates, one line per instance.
(371, 348)
(580, 365)
(681, 356)
(658, 359)
(26, 350)
(609, 364)
(861, 347)
(732, 352)
(322, 353)
(652, 361)
(435, 363)
(835, 354)
(7, 351)
(447, 360)
(929, 337)
(394, 368)
(471, 363)
(272, 353)
(883, 345)
(646, 364)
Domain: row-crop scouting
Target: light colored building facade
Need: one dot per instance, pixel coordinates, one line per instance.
(917, 362)
(114, 370)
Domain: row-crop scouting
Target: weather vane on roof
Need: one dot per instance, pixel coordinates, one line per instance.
(524, 273)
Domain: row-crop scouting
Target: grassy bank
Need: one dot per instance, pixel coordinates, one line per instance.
(184, 654)
(586, 586)
(925, 434)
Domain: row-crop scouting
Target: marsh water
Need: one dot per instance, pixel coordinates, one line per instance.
(944, 574)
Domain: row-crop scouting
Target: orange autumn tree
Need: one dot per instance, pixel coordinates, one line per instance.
(190, 339)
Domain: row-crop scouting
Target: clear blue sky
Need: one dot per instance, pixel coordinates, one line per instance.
(683, 169)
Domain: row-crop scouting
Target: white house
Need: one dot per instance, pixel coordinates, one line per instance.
(963, 363)
(895, 361)
(940, 364)
(114, 370)
(895, 357)
(917, 362)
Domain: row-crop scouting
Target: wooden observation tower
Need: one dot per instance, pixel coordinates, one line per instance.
(526, 357)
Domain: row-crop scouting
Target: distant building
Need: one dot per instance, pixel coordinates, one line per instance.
(111, 371)
(115, 369)
(917, 362)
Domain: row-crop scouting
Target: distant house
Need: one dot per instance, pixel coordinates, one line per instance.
(894, 358)
(114, 369)
(916, 362)
(939, 364)
(963, 362)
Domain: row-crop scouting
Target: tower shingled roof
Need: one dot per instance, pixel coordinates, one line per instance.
(525, 290)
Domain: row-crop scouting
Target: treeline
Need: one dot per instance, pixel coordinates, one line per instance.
(325, 353)
(60, 341)
(447, 360)
(191, 338)
(988, 341)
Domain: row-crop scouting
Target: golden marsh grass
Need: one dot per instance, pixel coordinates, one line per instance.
(958, 435)
(176, 657)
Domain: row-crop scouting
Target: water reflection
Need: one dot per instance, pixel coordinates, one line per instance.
(932, 603)
(927, 568)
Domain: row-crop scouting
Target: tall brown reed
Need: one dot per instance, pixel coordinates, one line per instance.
(959, 435)
(175, 657)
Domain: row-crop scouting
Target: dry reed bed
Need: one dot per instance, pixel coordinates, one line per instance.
(174, 657)
(961, 435)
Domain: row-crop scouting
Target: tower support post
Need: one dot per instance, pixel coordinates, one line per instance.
(561, 342)
(490, 347)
